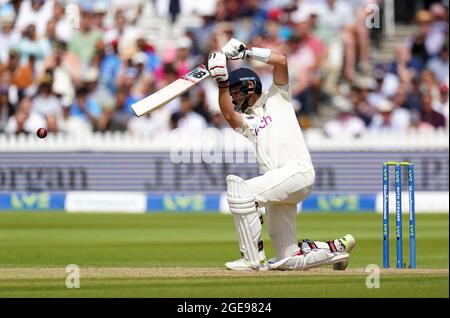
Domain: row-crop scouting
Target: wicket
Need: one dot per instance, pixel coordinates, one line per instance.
(398, 213)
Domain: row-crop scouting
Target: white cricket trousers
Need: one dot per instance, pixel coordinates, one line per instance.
(279, 191)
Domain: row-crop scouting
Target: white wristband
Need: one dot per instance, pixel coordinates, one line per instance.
(261, 54)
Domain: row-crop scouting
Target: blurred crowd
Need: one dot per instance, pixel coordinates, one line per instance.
(78, 68)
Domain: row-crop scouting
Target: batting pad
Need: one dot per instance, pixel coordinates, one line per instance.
(246, 218)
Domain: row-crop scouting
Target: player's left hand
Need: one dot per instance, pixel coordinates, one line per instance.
(217, 67)
(233, 49)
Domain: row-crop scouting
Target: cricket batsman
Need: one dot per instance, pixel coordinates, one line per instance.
(267, 119)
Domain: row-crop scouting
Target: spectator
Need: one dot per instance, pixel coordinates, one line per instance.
(346, 125)
(414, 96)
(403, 66)
(390, 118)
(31, 45)
(427, 42)
(25, 120)
(429, 84)
(6, 108)
(187, 119)
(123, 112)
(429, 115)
(85, 107)
(153, 62)
(35, 12)
(64, 27)
(441, 105)
(99, 69)
(97, 92)
(439, 65)
(71, 124)
(174, 10)
(50, 38)
(123, 32)
(335, 28)
(201, 105)
(146, 126)
(84, 40)
(362, 89)
(181, 61)
(46, 103)
(218, 122)
(99, 11)
(52, 124)
(106, 121)
(8, 36)
(22, 76)
(438, 28)
(306, 58)
(68, 63)
(110, 66)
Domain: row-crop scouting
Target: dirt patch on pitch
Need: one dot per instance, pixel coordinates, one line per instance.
(184, 272)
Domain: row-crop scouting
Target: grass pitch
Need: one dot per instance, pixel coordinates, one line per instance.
(182, 255)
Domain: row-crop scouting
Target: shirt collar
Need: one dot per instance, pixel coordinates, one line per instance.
(258, 104)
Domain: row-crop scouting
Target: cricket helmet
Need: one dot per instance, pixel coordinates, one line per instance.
(242, 76)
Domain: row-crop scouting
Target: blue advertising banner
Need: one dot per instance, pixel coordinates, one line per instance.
(183, 203)
(339, 203)
(33, 201)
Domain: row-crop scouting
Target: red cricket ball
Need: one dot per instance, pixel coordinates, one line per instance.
(41, 132)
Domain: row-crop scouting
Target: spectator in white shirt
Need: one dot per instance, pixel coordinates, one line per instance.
(25, 120)
(439, 65)
(37, 12)
(8, 37)
(346, 125)
(45, 103)
(390, 118)
(187, 119)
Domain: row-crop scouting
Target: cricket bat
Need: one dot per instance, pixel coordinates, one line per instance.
(170, 92)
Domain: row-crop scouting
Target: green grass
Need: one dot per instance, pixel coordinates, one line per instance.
(29, 240)
(226, 287)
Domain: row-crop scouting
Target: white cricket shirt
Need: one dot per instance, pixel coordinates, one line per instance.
(272, 127)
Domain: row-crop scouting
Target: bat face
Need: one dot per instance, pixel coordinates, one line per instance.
(170, 92)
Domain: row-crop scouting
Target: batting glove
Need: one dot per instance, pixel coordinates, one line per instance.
(217, 67)
(234, 49)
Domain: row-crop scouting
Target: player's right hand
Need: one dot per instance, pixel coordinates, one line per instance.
(217, 67)
(234, 49)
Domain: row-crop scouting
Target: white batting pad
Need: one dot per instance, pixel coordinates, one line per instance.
(246, 218)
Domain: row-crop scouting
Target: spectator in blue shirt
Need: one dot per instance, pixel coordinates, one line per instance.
(85, 107)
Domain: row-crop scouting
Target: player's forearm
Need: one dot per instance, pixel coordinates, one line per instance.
(280, 70)
(277, 59)
(227, 109)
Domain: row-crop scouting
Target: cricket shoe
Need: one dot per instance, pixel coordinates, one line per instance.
(243, 264)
